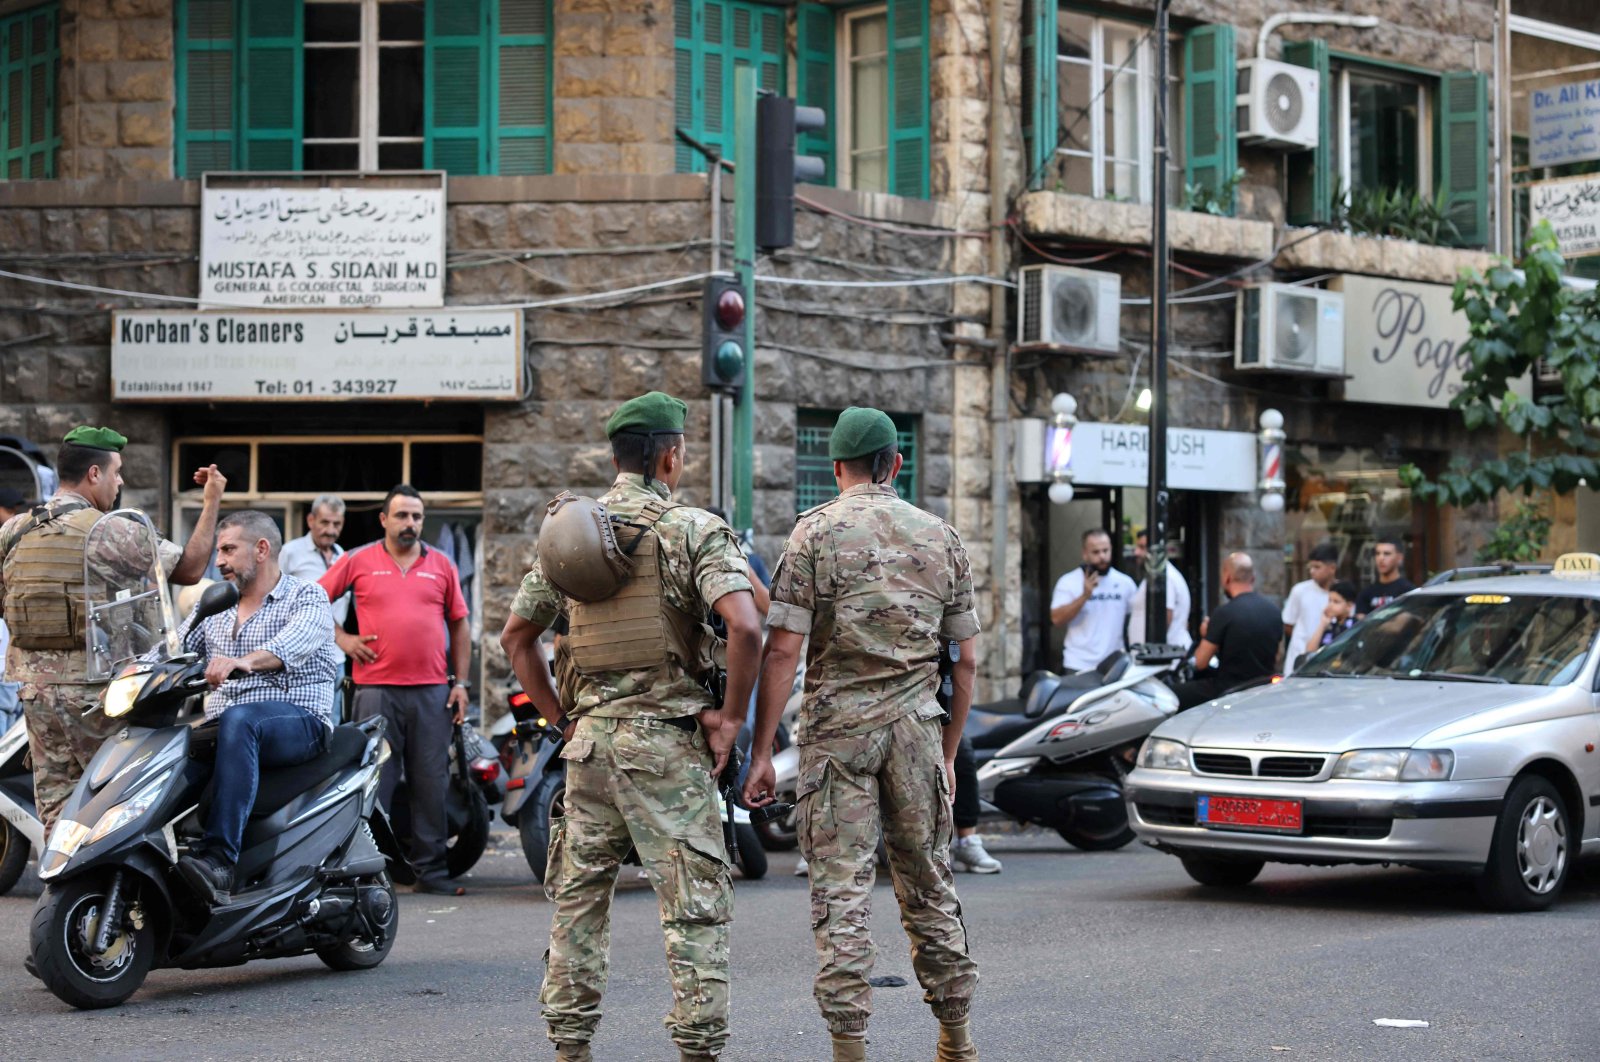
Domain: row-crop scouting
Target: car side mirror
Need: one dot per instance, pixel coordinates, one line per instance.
(218, 597)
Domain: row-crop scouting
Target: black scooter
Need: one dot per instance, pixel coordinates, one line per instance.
(314, 872)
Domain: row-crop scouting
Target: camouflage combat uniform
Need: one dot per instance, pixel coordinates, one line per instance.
(53, 690)
(876, 583)
(634, 780)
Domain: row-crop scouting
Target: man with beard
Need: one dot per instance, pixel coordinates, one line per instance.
(407, 597)
(1092, 603)
(41, 576)
(274, 666)
(314, 552)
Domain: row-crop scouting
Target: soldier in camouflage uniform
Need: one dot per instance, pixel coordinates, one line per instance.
(640, 772)
(54, 688)
(878, 585)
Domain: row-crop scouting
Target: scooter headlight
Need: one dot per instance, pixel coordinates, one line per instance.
(125, 689)
(65, 839)
(130, 809)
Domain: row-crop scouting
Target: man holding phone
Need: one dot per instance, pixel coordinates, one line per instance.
(1092, 602)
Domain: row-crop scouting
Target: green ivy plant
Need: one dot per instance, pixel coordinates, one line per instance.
(1203, 199)
(1520, 538)
(1516, 321)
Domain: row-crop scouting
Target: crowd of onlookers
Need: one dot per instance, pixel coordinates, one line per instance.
(1246, 638)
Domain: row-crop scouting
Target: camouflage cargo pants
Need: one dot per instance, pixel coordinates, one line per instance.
(893, 775)
(643, 784)
(60, 740)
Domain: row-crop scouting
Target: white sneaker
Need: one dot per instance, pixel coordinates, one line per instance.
(967, 854)
(803, 870)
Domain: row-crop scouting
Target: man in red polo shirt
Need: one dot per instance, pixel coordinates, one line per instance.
(407, 598)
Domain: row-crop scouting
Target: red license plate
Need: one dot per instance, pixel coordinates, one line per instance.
(1248, 813)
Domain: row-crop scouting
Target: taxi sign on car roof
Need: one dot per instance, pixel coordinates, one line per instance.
(1578, 566)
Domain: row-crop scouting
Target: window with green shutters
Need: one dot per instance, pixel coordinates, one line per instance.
(1386, 127)
(250, 98)
(813, 468)
(1210, 132)
(711, 38)
(866, 65)
(30, 70)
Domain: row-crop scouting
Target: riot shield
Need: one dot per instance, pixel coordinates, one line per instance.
(126, 606)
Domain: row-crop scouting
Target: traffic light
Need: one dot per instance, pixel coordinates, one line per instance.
(722, 353)
(778, 121)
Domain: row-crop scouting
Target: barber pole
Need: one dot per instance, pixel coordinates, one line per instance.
(1272, 484)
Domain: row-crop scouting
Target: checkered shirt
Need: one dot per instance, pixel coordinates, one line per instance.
(295, 625)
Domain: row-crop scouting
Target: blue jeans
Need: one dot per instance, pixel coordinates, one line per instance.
(249, 737)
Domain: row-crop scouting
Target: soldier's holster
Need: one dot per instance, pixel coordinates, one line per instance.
(44, 589)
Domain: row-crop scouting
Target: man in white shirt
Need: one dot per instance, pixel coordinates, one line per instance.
(312, 554)
(1092, 602)
(1302, 609)
(1178, 601)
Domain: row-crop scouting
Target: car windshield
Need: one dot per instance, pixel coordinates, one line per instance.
(1519, 638)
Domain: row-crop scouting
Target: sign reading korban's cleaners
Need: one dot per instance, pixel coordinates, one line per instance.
(210, 356)
(322, 241)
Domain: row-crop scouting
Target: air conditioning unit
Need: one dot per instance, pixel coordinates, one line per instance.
(1285, 328)
(1277, 104)
(1065, 307)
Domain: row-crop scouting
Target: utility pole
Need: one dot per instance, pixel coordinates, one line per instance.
(1155, 601)
(744, 267)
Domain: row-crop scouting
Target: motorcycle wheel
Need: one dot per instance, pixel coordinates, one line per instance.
(365, 954)
(752, 857)
(1098, 841)
(548, 800)
(14, 849)
(467, 844)
(63, 927)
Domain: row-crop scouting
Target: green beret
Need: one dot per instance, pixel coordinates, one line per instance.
(648, 413)
(859, 431)
(96, 438)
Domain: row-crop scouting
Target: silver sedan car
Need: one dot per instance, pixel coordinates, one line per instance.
(1454, 729)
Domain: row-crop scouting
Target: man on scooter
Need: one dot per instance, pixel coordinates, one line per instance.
(272, 661)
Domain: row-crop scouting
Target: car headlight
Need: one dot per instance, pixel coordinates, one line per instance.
(1428, 765)
(124, 690)
(1164, 754)
(130, 809)
(1396, 765)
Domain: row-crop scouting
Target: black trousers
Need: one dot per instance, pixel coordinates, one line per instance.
(966, 809)
(419, 729)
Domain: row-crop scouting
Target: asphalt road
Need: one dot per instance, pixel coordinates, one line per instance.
(1103, 956)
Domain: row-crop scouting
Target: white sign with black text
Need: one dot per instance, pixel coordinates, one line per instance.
(322, 248)
(1572, 207)
(1118, 455)
(1402, 342)
(211, 356)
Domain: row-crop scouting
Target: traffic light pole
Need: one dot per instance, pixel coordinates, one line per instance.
(744, 265)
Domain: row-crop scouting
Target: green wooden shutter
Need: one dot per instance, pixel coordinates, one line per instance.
(816, 40)
(1311, 172)
(30, 70)
(271, 84)
(456, 107)
(1039, 85)
(908, 102)
(711, 38)
(206, 58)
(685, 84)
(1463, 140)
(522, 73)
(1209, 88)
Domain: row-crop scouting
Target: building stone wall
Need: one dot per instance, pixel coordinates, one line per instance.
(116, 91)
(613, 103)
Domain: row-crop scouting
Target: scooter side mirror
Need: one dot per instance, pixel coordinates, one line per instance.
(219, 597)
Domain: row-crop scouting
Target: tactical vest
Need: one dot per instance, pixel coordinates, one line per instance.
(635, 629)
(44, 588)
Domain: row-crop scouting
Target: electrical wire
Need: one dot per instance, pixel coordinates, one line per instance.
(884, 226)
(910, 282)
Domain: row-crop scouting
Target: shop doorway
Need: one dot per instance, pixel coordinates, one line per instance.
(1351, 497)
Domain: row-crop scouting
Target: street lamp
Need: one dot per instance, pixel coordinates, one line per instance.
(1271, 484)
(1058, 448)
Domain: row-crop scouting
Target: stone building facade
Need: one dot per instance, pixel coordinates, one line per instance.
(595, 199)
